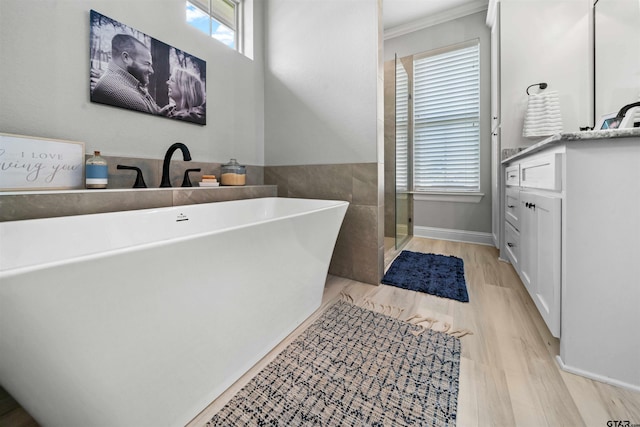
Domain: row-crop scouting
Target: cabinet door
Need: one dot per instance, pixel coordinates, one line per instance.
(495, 186)
(528, 246)
(540, 255)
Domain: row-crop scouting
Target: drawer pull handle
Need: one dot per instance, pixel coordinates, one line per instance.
(513, 176)
(510, 244)
(530, 205)
(510, 206)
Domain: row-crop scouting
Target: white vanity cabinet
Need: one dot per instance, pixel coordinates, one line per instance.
(574, 239)
(533, 232)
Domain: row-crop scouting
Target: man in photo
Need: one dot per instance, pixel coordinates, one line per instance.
(124, 84)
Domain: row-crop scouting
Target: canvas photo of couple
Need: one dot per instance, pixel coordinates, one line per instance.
(131, 70)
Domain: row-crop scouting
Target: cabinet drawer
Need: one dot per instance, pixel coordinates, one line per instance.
(542, 172)
(512, 207)
(512, 175)
(512, 245)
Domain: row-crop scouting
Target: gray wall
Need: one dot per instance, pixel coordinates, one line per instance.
(44, 82)
(320, 82)
(323, 118)
(455, 215)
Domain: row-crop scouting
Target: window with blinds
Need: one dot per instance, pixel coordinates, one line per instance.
(446, 116)
(219, 19)
(402, 128)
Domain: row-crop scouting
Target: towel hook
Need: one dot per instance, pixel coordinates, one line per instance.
(542, 86)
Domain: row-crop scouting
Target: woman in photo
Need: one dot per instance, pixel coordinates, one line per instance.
(188, 97)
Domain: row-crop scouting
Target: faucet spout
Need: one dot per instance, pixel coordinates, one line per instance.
(167, 160)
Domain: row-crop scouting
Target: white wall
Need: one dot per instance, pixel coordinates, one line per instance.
(44, 82)
(455, 215)
(544, 41)
(321, 82)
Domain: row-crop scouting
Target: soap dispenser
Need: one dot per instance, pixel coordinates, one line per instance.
(96, 171)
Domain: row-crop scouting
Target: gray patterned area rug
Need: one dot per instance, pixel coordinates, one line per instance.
(354, 367)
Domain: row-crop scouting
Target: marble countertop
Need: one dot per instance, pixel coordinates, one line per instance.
(510, 154)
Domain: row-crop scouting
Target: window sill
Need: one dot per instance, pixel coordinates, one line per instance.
(448, 197)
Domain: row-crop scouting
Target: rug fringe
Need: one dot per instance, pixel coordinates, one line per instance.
(431, 324)
(346, 297)
(415, 319)
(389, 310)
(459, 333)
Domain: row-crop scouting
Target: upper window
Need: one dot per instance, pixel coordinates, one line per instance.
(446, 99)
(218, 18)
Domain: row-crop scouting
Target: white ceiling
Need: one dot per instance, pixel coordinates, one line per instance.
(401, 13)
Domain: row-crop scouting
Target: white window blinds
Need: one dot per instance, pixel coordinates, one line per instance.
(402, 127)
(446, 99)
(225, 12)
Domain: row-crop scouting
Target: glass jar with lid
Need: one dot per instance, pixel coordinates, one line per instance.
(233, 173)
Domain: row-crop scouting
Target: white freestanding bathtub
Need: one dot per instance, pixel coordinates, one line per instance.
(142, 318)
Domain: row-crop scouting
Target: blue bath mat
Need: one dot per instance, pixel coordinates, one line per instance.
(439, 275)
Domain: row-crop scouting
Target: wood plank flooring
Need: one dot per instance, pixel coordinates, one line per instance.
(508, 373)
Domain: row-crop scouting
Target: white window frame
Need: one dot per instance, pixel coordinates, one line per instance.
(206, 6)
(403, 123)
(460, 192)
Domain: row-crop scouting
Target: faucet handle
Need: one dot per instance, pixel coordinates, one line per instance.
(186, 182)
(139, 179)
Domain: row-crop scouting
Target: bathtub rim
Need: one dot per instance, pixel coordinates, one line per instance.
(11, 272)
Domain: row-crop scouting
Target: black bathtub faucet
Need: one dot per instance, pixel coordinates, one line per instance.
(139, 179)
(167, 160)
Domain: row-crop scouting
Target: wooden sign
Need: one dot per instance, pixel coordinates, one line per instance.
(29, 163)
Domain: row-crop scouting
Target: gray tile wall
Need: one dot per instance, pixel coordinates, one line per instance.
(359, 251)
(119, 197)
(15, 207)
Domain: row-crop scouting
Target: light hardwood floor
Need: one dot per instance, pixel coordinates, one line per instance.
(508, 373)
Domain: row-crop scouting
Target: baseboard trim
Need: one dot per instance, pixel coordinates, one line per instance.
(596, 377)
(454, 235)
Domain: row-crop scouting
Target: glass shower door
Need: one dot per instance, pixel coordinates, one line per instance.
(402, 195)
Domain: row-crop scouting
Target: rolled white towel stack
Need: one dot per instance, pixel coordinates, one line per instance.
(543, 117)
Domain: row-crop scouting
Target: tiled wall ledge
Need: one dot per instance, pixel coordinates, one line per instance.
(47, 204)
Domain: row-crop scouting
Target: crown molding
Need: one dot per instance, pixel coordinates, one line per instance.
(429, 21)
